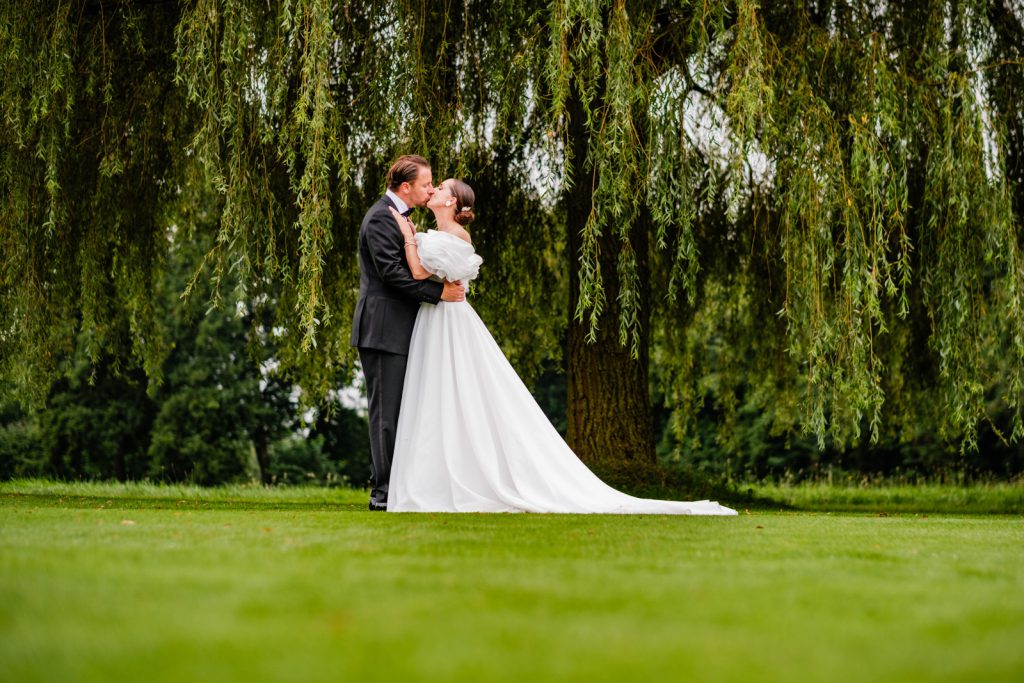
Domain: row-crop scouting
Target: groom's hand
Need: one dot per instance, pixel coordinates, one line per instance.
(453, 291)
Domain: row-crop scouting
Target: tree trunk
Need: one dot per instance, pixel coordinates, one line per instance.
(609, 420)
(262, 448)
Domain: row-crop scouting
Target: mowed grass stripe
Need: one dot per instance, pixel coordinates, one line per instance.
(98, 592)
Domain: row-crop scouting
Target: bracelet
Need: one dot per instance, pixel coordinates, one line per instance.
(410, 244)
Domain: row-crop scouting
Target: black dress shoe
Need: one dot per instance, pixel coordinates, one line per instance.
(377, 507)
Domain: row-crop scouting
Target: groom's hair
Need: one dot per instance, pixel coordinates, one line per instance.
(405, 170)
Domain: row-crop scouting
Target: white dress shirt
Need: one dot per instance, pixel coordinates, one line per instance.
(399, 204)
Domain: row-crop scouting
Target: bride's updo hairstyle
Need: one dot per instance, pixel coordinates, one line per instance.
(465, 199)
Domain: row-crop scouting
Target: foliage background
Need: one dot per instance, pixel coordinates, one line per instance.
(802, 221)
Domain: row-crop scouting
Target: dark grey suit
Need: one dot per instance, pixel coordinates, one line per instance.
(389, 298)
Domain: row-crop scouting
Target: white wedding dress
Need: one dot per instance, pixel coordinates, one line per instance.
(471, 437)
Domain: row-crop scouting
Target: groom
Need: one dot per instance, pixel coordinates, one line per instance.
(389, 298)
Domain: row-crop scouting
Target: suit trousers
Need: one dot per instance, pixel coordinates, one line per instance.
(385, 378)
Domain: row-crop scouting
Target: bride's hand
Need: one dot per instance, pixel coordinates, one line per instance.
(405, 224)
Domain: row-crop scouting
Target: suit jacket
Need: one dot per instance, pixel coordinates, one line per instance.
(389, 296)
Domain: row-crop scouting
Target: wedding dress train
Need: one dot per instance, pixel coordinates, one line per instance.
(471, 437)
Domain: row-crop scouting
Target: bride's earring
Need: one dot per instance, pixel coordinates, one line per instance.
(448, 203)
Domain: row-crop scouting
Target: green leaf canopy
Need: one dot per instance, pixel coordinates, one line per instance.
(832, 189)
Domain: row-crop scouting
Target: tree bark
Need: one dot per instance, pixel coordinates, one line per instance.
(609, 420)
(262, 447)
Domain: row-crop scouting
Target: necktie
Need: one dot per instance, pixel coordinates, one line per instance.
(407, 212)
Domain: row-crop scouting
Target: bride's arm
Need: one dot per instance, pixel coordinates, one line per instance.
(411, 255)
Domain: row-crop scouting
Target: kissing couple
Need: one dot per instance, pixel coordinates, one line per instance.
(452, 427)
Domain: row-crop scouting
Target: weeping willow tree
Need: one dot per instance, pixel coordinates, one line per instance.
(119, 115)
(868, 276)
(811, 208)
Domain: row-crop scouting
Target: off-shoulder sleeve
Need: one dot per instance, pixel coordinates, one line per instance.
(447, 256)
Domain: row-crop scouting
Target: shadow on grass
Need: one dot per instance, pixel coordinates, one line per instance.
(668, 483)
(880, 497)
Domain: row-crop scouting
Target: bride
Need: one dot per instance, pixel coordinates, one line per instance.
(471, 437)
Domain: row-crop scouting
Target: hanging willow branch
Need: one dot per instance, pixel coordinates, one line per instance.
(832, 190)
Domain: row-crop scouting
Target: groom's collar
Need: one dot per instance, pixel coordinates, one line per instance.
(399, 204)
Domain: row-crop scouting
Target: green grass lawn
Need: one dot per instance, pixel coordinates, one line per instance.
(147, 583)
(978, 498)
